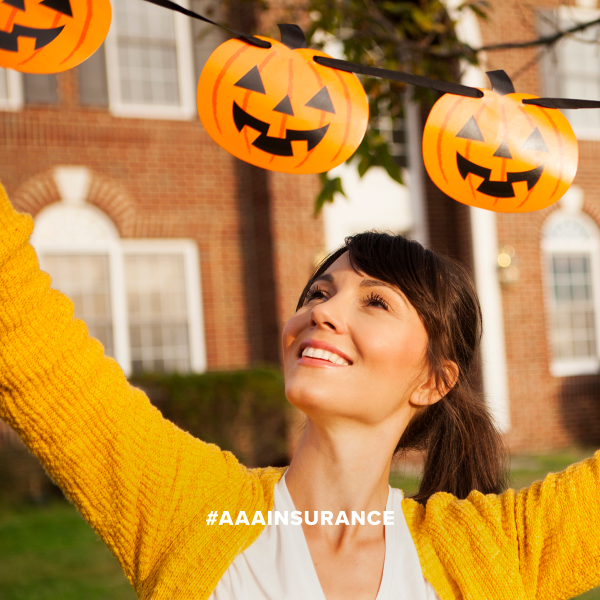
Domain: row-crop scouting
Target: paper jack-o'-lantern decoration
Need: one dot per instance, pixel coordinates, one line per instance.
(50, 36)
(278, 109)
(497, 152)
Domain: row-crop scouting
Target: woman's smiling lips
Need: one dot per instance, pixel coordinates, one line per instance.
(321, 354)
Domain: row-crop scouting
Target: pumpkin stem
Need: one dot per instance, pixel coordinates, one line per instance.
(292, 36)
(501, 83)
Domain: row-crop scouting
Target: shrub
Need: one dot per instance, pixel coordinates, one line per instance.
(245, 412)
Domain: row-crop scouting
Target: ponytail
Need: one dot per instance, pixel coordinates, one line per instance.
(463, 449)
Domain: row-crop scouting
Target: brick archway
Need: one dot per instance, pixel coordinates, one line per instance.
(103, 192)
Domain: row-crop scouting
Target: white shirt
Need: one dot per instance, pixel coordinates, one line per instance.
(278, 566)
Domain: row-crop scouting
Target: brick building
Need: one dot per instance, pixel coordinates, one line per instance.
(541, 358)
(181, 257)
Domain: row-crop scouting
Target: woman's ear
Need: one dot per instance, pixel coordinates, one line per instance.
(431, 390)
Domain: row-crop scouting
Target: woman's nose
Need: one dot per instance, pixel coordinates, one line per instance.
(328, 315)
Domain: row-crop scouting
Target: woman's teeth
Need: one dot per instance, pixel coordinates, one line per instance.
(324, 355)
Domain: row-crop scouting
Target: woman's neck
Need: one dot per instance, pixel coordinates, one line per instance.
(343, 468)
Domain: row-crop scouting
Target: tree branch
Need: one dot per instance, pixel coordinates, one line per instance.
(547, 40)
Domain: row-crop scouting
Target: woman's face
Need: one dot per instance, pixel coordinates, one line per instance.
(378, 365)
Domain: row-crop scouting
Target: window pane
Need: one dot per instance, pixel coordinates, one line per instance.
(85, 279)
(579, 72)
(158, 313)
(40, 89)
(93, 85)
(3, 85)
(147, 54)
(573, 323)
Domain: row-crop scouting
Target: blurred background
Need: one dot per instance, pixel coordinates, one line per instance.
(185, 262)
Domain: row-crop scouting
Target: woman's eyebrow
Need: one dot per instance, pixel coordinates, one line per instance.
(325, 277)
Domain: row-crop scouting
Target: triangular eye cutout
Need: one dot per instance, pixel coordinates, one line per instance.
(252, 81)
(61, 6)
(535, 142)
(322, 101)
(285, 107)
(19, 4)
(471, 131)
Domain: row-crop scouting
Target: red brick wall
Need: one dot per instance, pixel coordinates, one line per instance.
(546, 412)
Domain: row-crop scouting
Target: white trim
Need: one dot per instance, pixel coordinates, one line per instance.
(570, 368)
(189, 250)
(118, 294)
(15, 100)
(588, 134)
(414, 139)
(73, 184)
(493, 350)
(187, 107)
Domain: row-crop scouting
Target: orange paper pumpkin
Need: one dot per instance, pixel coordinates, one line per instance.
(496, 152)
(50, 36)
(278, 109)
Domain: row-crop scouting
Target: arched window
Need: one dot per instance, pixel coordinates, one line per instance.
(570, 248)
(140, 298)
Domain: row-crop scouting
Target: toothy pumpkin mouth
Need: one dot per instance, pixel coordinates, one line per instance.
(497, 189)
(10, 41)
(273, 145)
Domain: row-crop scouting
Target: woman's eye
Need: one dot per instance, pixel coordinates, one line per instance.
(314, 294)
(376, 300)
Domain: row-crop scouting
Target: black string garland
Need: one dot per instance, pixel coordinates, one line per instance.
(400, 76)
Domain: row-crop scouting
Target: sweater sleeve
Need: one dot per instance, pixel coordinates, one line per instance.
(137, 479)
(541, 542)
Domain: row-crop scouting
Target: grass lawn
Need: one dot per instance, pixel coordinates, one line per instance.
(50, 553)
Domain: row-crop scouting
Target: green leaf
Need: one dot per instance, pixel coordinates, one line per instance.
(330, 187)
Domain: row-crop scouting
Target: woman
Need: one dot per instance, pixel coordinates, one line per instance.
(378, 357)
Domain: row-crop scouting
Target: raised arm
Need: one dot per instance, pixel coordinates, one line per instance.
(558, 529)
(541, 542)
(142, 483)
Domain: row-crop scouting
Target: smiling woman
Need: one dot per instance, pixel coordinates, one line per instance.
(379, 356)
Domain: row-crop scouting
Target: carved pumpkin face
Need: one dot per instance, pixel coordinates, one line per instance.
(278, 109)
(49, 36)
(497, 153)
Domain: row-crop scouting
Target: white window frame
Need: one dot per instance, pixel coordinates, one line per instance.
(560, 367)
(187, 93)
(15, 98)
(116, 249)
(193, 292)
(581, 15)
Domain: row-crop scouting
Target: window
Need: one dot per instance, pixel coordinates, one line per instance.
(572, 69)
(570, 245)
(11, 91)
(149, 62)
(140, 298)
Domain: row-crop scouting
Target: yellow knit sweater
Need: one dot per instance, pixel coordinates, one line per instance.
(146, 487)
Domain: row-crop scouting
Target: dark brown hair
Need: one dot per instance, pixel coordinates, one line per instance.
(463, 449)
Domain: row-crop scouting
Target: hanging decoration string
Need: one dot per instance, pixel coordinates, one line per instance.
(400, 76)
(194, 15)
(446, 87)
